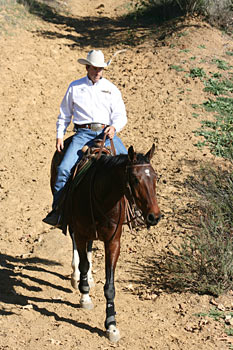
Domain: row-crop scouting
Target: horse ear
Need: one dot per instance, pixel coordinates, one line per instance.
(131, 154)
(151, 152)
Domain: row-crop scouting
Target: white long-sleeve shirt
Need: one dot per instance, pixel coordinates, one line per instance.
(91, 103)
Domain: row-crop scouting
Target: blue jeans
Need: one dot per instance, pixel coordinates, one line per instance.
(74, 153)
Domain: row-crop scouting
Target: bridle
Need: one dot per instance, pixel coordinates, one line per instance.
(133, 213)
(128, 185)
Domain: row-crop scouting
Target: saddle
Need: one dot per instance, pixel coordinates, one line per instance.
(89, 153)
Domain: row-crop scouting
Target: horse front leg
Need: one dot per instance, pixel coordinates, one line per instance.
(112, 251)
(85, 301)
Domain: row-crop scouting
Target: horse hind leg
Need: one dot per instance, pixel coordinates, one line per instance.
(75, 276)
(89, 257)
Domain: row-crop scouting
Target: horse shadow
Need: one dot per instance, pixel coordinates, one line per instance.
(15, 272)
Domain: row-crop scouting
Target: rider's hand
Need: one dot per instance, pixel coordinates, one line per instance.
(110, 131)
(59, 145)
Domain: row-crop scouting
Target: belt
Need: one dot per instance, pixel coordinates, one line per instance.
(91, 126)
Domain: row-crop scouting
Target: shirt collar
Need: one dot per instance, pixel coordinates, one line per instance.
(89, 82)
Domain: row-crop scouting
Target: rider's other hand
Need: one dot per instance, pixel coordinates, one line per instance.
(59, 145)
(110, 131)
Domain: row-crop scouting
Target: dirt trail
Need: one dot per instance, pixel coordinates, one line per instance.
(39, 309)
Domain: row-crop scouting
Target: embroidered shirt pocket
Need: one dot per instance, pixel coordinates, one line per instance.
(106, 91)
(81, 97)
(106, 98)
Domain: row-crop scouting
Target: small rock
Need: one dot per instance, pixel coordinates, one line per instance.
(101, 6)
(27, 307)
(221, 307)
(229, 320)
(129, 287)
(213, 302)
(55, 342)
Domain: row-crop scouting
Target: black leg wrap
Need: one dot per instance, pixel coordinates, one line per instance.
(83, 284)
(110, 315)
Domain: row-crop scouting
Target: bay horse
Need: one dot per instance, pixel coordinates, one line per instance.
(98, 211)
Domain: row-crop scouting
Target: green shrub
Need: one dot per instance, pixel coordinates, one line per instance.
(193, 6)
(221, 64)
(218, 87)
(218, 134)
(177, 68)
(203, 262)
(197, 72)
(217, 12)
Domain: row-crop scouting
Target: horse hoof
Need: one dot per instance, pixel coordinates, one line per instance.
(113, 334)
(88, 305)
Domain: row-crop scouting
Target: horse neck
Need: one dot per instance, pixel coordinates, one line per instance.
(110, 183)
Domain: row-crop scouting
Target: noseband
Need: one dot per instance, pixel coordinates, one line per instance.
(135, 165)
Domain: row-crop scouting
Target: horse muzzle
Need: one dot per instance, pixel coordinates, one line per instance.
(152, 219)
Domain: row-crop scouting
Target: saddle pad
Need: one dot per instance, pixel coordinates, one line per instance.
(80, 172)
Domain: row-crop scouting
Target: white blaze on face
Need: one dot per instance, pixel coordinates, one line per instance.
(147, 172)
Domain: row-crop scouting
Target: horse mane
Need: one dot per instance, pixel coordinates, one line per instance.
(120, 160)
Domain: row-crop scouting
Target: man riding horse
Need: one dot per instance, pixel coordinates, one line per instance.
(97, 205)
(96, 107)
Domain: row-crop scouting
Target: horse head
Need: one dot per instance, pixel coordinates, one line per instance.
(141, 179)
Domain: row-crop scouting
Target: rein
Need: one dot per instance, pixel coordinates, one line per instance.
(113, 150)
(102, 146)
(94, 198)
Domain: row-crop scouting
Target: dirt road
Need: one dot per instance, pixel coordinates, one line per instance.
(39, 309)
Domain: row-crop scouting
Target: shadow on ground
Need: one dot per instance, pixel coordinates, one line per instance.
(15, 273)
(103, 31)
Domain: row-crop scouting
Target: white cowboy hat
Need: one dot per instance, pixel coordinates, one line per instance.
(94, 58)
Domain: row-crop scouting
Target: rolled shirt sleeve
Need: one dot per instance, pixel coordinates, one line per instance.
(118, 115)
(66, 112)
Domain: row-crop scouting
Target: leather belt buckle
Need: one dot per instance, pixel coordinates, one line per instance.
(96, 126)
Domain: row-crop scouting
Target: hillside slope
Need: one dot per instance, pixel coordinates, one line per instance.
(38, 306)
